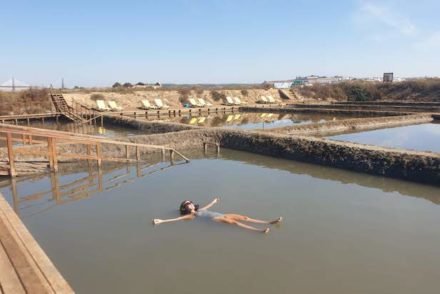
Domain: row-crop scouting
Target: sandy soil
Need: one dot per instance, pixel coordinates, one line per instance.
(131, 101)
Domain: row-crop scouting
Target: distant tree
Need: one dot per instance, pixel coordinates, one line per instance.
(266, 86)
(140, 84)
(127, 85)
(117, 85)
(217, 96)
(95, 97)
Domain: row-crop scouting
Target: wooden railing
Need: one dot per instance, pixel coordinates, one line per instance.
(53, 138)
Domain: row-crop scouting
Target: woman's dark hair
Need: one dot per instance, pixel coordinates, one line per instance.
(184, 209)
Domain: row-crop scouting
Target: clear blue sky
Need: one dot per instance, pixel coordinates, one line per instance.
(219, 41)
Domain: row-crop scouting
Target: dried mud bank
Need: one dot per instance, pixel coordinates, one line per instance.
(327, 110)
(366, 107)
(352, 125)
(150, 127)
(423, 167)
(403, 103)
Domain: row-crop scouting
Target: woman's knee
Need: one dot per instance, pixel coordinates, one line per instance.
(239, 217)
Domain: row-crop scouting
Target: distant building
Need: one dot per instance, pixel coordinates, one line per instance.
(388, 77)
(282, 85)
(312, 80)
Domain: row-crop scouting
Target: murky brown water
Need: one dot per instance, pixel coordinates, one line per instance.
(106, 130)
(343, 232)
(423, 137)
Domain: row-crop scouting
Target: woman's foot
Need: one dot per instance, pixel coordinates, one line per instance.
(277, 221)
(266, 231)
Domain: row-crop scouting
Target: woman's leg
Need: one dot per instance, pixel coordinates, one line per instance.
(243, 218)
(227, 220)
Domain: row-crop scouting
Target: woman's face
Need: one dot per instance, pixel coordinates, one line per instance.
(191, 207)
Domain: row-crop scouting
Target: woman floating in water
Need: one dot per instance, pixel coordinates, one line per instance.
(189, 211)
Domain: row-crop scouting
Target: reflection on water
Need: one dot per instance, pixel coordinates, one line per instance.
(96, 130)
(255, 120)
(358, 233)
(423, 137)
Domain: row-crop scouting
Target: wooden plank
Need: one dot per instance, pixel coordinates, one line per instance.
(32, 280)
(9, 281)
(51, 280)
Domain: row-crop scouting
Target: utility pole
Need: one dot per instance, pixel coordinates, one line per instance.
(13, 84)
(62, 83)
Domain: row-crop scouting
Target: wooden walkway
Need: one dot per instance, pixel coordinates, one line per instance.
(48, 139)
(24, 267)
(29, 117)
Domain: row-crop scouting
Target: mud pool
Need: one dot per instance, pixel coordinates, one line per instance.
(343, 232)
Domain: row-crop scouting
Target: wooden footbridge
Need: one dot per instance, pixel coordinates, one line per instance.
(47, 149)
(61, 106)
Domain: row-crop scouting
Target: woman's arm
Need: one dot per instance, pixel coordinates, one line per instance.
(210, 204)
(157, 221)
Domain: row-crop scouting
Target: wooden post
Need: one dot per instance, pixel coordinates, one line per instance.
(138, 155)
(89, 152)
(28, 121)
(218, 147)
(138, 170)
(205, 147)
(52, 154)
(98, 154)
(180, 112)
(171, 156)
(55, 187)
(100, 181)
(146, 114)
(127, 152)
(102, 121)
(12, 171)
(134, 115)
(15, 197)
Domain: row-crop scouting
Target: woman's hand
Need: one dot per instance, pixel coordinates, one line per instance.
(157, 221)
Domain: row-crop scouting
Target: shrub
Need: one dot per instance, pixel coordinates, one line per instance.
(184, 94)
(117, 85)
(95, 97)
(217, 96)
(127, 85)
(244, 92)
(197, 90)
(267, 86)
